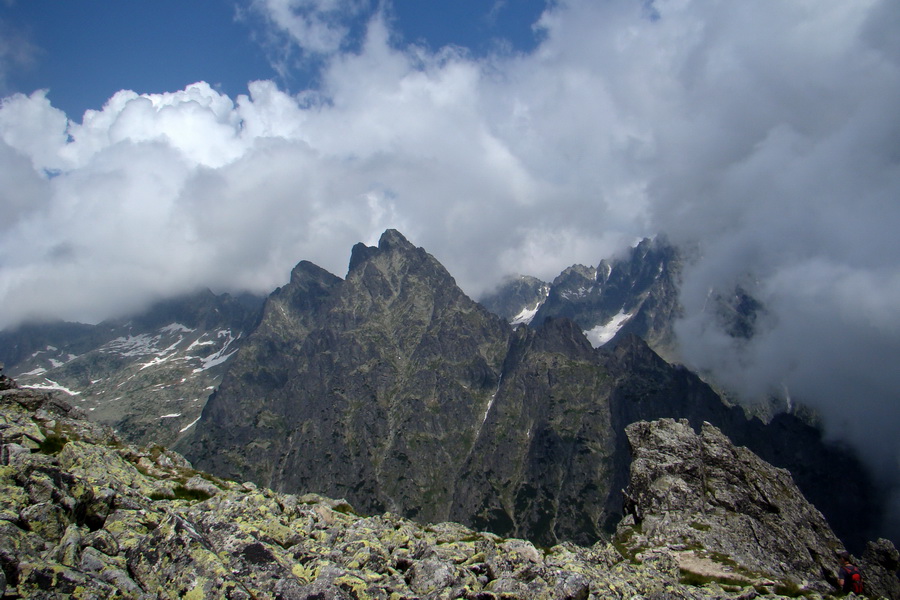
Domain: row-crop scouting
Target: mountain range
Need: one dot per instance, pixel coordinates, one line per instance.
(148, 376)
(392, 388)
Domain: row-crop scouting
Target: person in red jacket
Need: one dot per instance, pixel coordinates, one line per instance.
(849, 576)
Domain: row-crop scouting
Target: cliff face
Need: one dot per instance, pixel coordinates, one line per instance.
(384, 376)
(726, 512)
(393, 389)
(542, 464)
(648, 388)
(84, 515)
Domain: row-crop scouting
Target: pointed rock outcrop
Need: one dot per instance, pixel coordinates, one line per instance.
(727, 514)
(369, 388)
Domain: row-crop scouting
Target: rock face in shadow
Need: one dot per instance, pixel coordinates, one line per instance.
(392, 389)
(84, 515)
(727, 512)
(541, 466)
(384, 377)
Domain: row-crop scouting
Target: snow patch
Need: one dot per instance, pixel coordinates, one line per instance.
(601, 334)
(52, 386)
(170, 416)
(133, 345)
(176, 328)
(196, 343)
(156, 361)
(579, 293)
(526, 315)
(217, 358)
(189, 425)
(38, 371)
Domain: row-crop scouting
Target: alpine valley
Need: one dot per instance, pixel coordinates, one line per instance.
(392, 389)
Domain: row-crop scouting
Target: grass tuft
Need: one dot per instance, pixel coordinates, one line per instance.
(52, 444)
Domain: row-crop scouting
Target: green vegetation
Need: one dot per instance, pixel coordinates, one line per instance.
(346, 509)
(698, 580)
(52, 444)
(183, 493)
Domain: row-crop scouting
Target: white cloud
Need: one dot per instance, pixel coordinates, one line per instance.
(317, 27)
(765, 132)
(36, 129)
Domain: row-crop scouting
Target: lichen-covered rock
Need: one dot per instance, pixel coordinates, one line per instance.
(726, 514)
(79, 518)
(880, 563)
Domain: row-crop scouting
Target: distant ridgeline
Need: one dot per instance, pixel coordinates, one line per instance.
(148, 376)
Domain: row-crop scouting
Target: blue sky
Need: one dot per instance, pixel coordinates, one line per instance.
(84, 52)
(226, 141)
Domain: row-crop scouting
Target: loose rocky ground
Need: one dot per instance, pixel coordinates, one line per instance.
(84, 515)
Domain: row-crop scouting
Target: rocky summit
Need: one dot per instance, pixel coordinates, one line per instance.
(634, 294)
(393, 389)
(85, 515)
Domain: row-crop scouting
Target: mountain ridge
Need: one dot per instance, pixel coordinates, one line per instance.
(427, 381)
(148, 375)
(636, 293)
(420, 401)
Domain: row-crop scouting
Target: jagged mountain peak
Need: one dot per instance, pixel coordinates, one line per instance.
(398, 271)
(576, 272)
(636, 292)
(393, 389)
(392, 239)
(306, 271)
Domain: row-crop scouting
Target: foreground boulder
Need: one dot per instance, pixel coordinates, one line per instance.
(731, 517)
(83, 515)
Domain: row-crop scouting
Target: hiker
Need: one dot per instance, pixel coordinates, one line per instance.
(849, 576)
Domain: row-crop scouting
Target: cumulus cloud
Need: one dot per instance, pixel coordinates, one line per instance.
(765, 134)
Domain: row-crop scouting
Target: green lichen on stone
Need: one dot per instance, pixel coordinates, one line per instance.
(82, 522)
